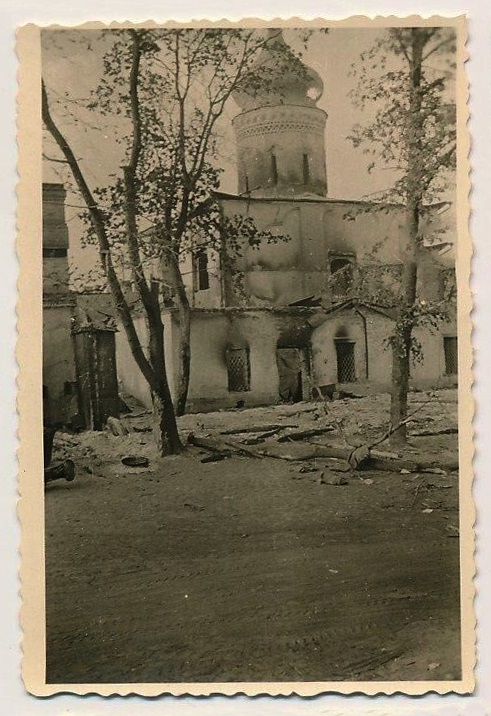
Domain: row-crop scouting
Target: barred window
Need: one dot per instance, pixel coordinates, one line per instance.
(345, 356)
(238, 370)
(451, 355)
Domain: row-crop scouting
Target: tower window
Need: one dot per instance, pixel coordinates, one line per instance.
(238, 370)
(342, 276)
(451, 355)
(306, 168)
(274, 169)
(202, 277)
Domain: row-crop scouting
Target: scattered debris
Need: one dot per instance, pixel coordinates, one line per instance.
(427, 511)
(327, 479)
(195, 508)
(304, 434)
(62, 471)
(117, 427)
(305, 468)
(434, 665)
(135, 461)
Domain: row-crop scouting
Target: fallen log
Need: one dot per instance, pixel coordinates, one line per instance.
(304, 434)
(257, 428)
(429, 431)
(299, 452)
(211, 444)
(216, 456)
(257, 437)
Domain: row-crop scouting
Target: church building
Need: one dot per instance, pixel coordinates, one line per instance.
(311, 309)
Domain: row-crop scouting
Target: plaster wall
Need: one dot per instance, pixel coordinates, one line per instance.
(129, 375)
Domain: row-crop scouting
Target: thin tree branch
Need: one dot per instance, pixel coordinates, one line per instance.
(97, 221)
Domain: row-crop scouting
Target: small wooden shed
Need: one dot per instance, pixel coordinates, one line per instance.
(97, 378)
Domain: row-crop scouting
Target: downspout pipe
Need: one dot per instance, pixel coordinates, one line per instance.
(365, 335)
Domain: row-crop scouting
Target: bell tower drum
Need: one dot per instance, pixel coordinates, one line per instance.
(280, 131)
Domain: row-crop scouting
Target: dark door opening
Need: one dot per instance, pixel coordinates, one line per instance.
(289, 361)
(345, 355)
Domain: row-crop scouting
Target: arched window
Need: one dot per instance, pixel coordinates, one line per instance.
(274, 169)
(201, 275)
(306, 168)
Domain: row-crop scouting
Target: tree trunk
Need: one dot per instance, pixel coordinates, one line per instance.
(184, 310)
(164, 426)
(164, 418)
(184, 356)
(401, 356)
(402, 339)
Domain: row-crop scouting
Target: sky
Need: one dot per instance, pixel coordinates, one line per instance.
(72, 66)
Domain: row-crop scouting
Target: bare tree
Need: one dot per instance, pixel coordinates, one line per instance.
(411, 134)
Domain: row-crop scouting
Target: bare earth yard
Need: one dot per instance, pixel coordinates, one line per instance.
(251, 569)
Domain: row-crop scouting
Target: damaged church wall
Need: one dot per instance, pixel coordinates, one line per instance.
(211, 334)
(280, 272)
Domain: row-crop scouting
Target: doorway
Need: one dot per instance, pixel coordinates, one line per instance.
(293, 374)
(345, 355)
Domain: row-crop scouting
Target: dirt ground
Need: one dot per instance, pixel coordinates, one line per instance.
(253, 569)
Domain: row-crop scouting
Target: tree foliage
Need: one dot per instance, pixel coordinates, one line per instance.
(405, 80)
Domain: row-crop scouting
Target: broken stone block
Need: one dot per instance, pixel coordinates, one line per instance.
(117, 427)
(327, 478)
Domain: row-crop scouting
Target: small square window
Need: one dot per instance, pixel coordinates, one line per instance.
(238, 370)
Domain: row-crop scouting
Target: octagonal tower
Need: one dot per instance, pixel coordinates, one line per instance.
(280, 131)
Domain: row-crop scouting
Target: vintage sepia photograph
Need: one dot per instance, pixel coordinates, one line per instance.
(255, 426)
